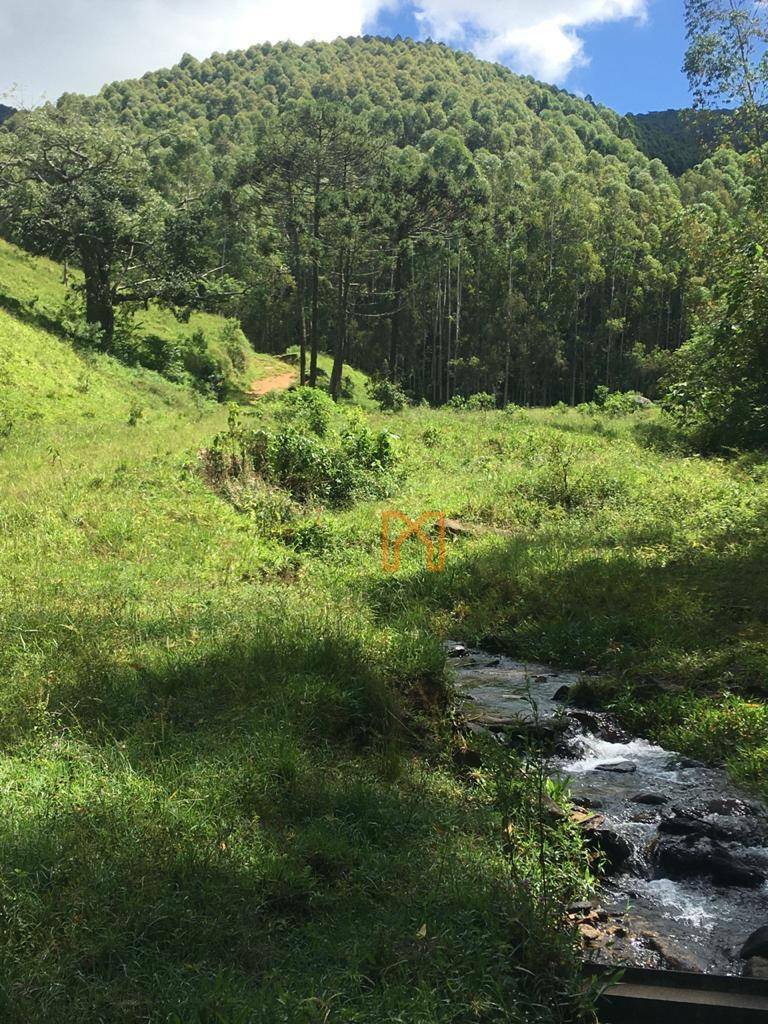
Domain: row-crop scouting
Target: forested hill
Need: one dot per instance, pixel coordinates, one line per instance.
(5, 112)
(488, 233)
(681, 139)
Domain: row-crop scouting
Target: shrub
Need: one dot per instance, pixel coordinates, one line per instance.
(307, 408)
(346, 457)
(482, 401)
(235, 344)
(390, 396)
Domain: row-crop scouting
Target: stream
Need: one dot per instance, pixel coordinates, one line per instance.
(686, 852)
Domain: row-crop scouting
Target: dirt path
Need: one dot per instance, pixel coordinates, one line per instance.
(279, 382)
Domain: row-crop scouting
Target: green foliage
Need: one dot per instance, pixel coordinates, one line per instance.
(316, 454)
(202, 722)
(80, 189)
(492, 207)
(681, 139)
(389, 396)
(480, 402)
(154, 338)
(308, 409)
(718, 386)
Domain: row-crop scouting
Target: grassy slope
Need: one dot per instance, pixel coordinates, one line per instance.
(35, 279)
(204, 811)
(202, 807)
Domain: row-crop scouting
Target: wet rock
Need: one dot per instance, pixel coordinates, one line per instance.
(494, 663)
(676, 763)
(615, 849)
(651, 799)
(591, 803)
(646, 817)
(756, 944)
(688, 856)
(586, 818)
(603, 726)
(457, 651)
(551, 808)
(562, 694)
(728, 829)
(590, 933)
(584, 907)
(620, 767)
(756, 967)
(732, 808)
(672, 958)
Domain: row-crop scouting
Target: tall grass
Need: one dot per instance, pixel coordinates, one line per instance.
(226, 789)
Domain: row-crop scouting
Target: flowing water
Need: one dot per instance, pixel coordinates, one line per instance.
(687, 851)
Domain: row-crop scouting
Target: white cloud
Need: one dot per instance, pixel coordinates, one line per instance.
(51, 46)
(535, 36)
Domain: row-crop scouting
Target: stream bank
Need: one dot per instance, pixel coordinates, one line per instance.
(685, 852)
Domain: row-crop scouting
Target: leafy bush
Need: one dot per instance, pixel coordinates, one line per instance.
(235, 344)
(306, 408)
(390, 396)
(482, 401)
(317, 452)
(565, 473)
(717, 388)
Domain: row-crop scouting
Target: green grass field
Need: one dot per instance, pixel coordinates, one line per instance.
(36, 286)
(227, 790)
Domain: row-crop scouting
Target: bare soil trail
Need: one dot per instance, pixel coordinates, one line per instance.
(279, 382)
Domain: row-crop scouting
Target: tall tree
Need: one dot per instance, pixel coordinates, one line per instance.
(727, 60)
(80, 191)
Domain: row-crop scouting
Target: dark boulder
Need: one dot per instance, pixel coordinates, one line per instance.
(457, 651)
(598, 724)
(620, 767)
(756, 944)
(616, 850)
(756, 967)
(651, 799)
(690, 856)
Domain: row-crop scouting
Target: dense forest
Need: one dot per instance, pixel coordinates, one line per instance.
(5, 112)
(681, 139)
(428, 216)
(441, 223)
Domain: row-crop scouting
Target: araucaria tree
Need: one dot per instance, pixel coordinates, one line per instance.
(80, 191)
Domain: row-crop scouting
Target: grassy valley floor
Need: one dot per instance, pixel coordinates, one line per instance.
(227, 789)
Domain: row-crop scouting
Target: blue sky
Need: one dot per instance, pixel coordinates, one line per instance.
(637, 67)
(632, 64)
(625, 53)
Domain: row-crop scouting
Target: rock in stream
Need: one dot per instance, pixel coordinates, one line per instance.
(686, 851)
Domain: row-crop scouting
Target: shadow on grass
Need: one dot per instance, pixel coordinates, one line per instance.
(249, 867)
(693, 615)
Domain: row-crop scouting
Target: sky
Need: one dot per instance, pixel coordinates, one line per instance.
(624, 53)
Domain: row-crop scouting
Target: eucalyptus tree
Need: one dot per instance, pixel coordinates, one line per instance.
(727, 60)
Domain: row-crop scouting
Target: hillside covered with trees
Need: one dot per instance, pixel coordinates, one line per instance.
(436, 219)
(681, 139)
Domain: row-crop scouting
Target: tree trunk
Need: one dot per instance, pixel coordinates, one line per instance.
(315, 285)
(341, 327)
(99, 309)
(394, 329)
